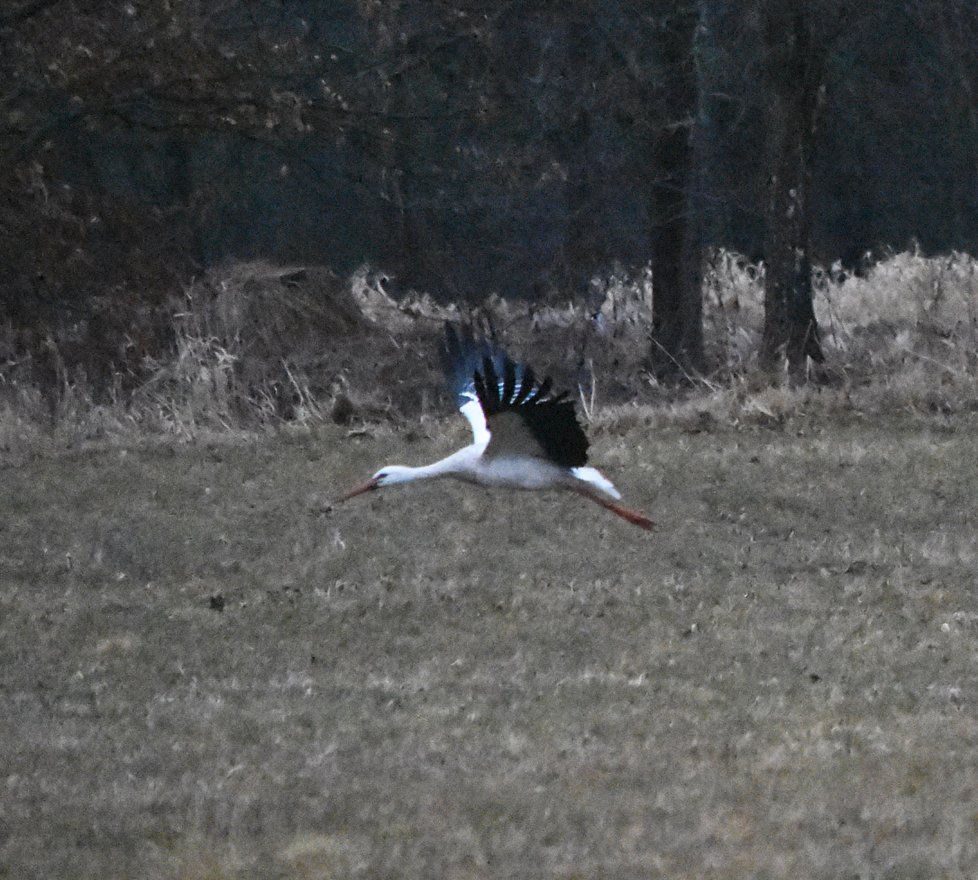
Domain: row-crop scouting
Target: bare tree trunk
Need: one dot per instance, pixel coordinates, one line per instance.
(794, 67)
(677, 244)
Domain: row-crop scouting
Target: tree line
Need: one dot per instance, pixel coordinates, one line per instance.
(470, 147)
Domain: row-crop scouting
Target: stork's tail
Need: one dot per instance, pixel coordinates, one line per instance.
(596, 478)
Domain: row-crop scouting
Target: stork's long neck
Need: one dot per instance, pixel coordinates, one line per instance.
(456, 464)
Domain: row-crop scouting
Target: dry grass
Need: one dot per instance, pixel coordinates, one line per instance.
(209, 673)
(258, 347)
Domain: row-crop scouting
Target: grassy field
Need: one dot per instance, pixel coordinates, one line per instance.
(207, 672)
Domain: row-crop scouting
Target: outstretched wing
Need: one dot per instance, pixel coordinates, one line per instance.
(509, 410)
(461, 356)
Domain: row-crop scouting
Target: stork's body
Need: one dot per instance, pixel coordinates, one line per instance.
(522, 436)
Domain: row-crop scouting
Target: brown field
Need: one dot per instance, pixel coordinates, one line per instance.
(208, 673)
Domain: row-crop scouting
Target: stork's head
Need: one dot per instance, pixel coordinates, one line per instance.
(386, 476)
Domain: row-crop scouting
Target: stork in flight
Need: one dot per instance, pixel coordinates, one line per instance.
(523, 437)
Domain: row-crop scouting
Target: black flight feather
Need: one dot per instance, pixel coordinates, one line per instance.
(551, 420)
(478, 369)
(540, 392)
(525, 387)
(509, 380)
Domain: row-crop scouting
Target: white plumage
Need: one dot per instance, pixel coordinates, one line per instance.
(522, 436)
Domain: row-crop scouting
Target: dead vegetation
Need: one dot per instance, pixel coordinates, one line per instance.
(250, 346)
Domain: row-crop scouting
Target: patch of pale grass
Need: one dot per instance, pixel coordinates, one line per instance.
(32, 425)
(733, 310)
(328, 855)
(906, 289)
(903, 335)
(943, 549)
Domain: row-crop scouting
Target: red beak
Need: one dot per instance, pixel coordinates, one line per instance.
(372, 483)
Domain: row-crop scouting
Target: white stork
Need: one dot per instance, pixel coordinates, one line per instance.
(522, 436)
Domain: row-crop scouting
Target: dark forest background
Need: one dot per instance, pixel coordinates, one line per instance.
(467, 148)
